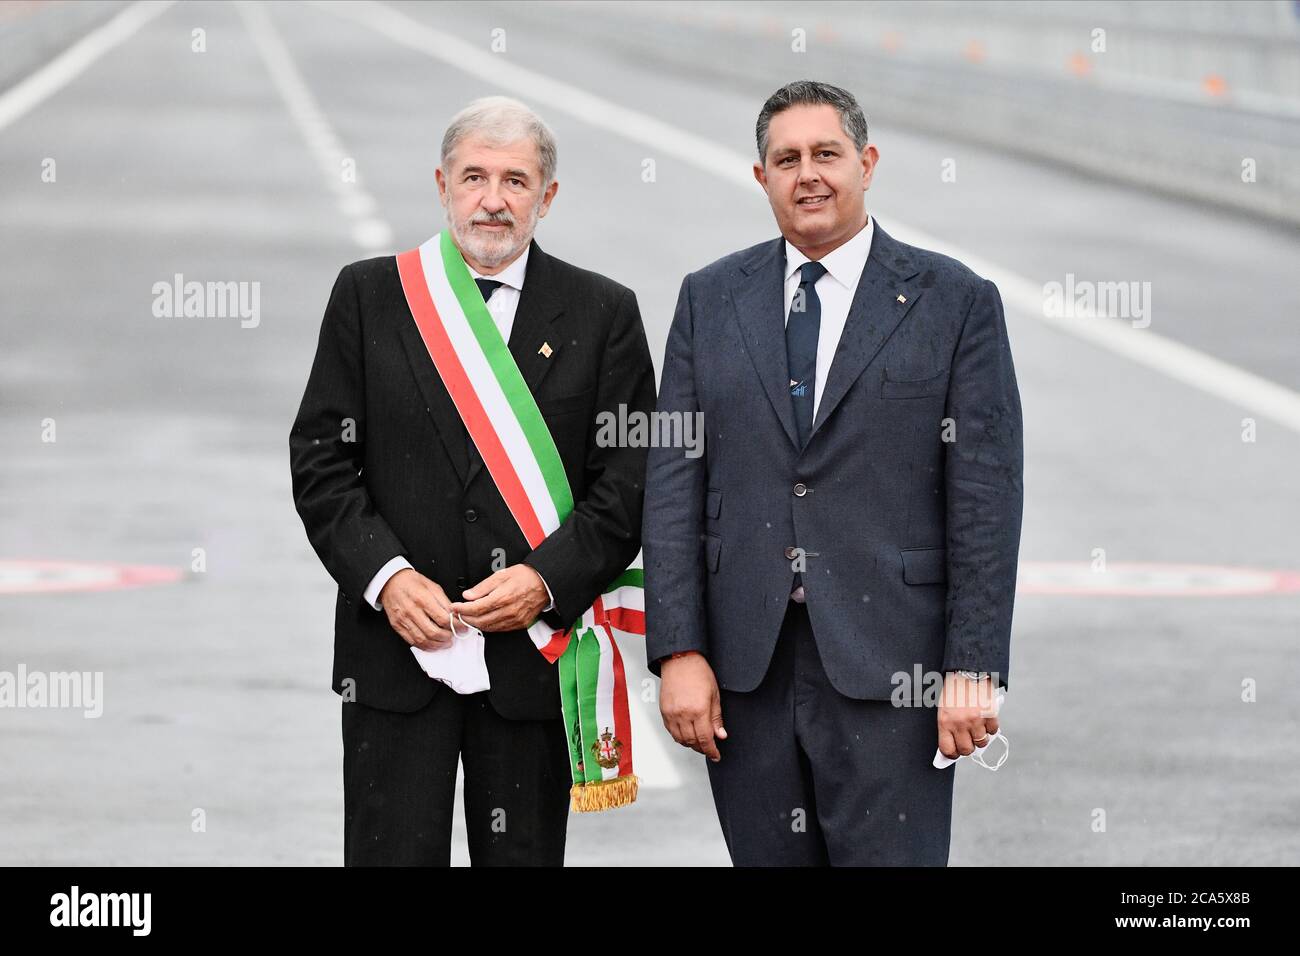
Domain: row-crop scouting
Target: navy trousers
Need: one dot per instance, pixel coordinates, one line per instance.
(809, 777)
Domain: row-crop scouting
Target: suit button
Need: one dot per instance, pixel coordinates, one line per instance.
(471, 515)
(791, 553)
(462, 582)
(800, 490)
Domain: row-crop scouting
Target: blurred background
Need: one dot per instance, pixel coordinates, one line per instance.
(1127, 173)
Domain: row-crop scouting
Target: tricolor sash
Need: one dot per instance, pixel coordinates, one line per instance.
(508, 430)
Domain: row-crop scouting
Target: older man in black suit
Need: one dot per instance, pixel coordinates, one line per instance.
(399, 506)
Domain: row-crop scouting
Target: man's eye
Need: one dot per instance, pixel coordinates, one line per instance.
(517, 182)
(826, 152)
(472, 176)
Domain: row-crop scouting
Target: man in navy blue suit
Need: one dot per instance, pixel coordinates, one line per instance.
(853, 524)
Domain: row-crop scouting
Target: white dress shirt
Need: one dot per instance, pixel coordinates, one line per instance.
(835, 289)
(501, 305)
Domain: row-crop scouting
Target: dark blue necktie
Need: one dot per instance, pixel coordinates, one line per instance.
(801, 330)
(487, 286)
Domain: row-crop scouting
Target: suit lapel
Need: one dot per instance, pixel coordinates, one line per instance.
(437, 400)
(759, 297)
(884, 296)
(539, 305)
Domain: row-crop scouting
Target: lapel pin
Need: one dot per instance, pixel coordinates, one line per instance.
(902, 298)
(546, 349)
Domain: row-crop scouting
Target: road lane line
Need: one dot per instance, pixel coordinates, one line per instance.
(1183, 363)
(19, 99)
(369, 230)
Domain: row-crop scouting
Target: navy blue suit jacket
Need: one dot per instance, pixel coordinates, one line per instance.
(906, 500)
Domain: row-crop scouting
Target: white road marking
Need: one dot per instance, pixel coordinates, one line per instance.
(1258, 395)
(43, 576)
(369, 231)
(16, 101)
(1152, 579)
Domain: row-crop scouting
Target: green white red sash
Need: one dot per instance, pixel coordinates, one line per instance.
(509, 432)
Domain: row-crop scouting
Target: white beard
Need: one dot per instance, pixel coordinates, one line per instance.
(491, 249)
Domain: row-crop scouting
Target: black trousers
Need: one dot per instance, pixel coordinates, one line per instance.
(399, 784)
(809, 777)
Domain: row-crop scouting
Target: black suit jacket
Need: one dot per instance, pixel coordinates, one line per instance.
(405, 479)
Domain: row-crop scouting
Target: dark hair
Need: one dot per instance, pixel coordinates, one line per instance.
(812, 93)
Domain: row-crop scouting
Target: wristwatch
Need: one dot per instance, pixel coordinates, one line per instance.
(974, 675)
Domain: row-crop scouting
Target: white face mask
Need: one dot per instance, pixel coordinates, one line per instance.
(978, 756)
(941, 761)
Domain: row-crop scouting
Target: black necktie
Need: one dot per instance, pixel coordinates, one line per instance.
(487, 286)
(801, 330)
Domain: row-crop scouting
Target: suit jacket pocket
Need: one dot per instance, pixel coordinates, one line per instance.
(712, 550)
(713, 502)
(914, 388)
(925, 565)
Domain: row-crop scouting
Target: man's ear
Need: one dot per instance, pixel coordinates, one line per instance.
(760, 174)
(870, 156)
(442, 185)
(547, 196)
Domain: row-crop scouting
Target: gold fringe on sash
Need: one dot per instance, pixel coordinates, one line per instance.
(603, 794)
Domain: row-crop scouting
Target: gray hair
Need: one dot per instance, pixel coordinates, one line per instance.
(501, 120)
(812, 93)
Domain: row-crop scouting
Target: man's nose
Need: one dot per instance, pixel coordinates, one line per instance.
(493, 201)
(808, 174)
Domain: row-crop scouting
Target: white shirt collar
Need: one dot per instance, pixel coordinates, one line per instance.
(844, 263)
(512, 275)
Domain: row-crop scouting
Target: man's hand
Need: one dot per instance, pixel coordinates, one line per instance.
(967, 715)
(690, 705)
(509, 600)
(417, 609)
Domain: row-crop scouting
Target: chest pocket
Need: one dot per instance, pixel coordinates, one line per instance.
(891, 387)
(565, 404)
(713, 502)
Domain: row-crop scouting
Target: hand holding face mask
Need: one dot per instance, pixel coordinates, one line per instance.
(942, 761)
